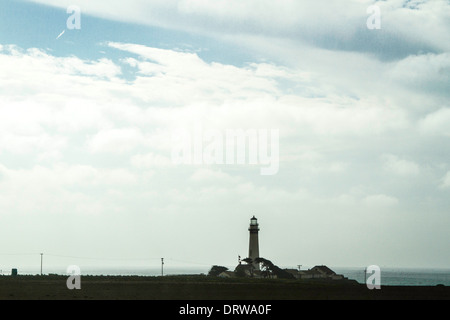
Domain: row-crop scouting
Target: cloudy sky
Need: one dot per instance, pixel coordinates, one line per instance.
(87, 119)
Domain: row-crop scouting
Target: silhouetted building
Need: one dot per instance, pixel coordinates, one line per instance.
(318, 272)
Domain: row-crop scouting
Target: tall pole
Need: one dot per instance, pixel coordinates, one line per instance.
(162, 267)
(41, 262)
(365, 274)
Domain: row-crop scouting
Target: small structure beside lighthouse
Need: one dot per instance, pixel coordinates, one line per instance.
(253, 249)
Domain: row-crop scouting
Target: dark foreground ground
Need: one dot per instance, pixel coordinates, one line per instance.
(204, 288)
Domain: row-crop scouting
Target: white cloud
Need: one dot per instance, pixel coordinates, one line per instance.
(213, 176)
(428, 72)
(446, 180)
(150, 160)
(380, 200)
(398, 166)
(436, 123)
(28, 144)
(116, 140)
(48, 64)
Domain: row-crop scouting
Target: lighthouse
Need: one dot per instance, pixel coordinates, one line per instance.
(253, 249)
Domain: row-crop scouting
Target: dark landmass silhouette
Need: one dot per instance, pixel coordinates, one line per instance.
(202, 287)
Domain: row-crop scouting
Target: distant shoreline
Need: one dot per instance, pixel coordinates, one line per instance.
(200, 287)
(389, 276)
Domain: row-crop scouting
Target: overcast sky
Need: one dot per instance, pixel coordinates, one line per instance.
(87, 119)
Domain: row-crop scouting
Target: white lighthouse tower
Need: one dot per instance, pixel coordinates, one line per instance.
(253, 249)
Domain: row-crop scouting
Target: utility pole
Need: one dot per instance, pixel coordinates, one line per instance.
(365, 275)
(162, 267)
(42, 257)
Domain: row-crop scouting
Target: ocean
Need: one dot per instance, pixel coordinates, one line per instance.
(389, 276)
(401, 276)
